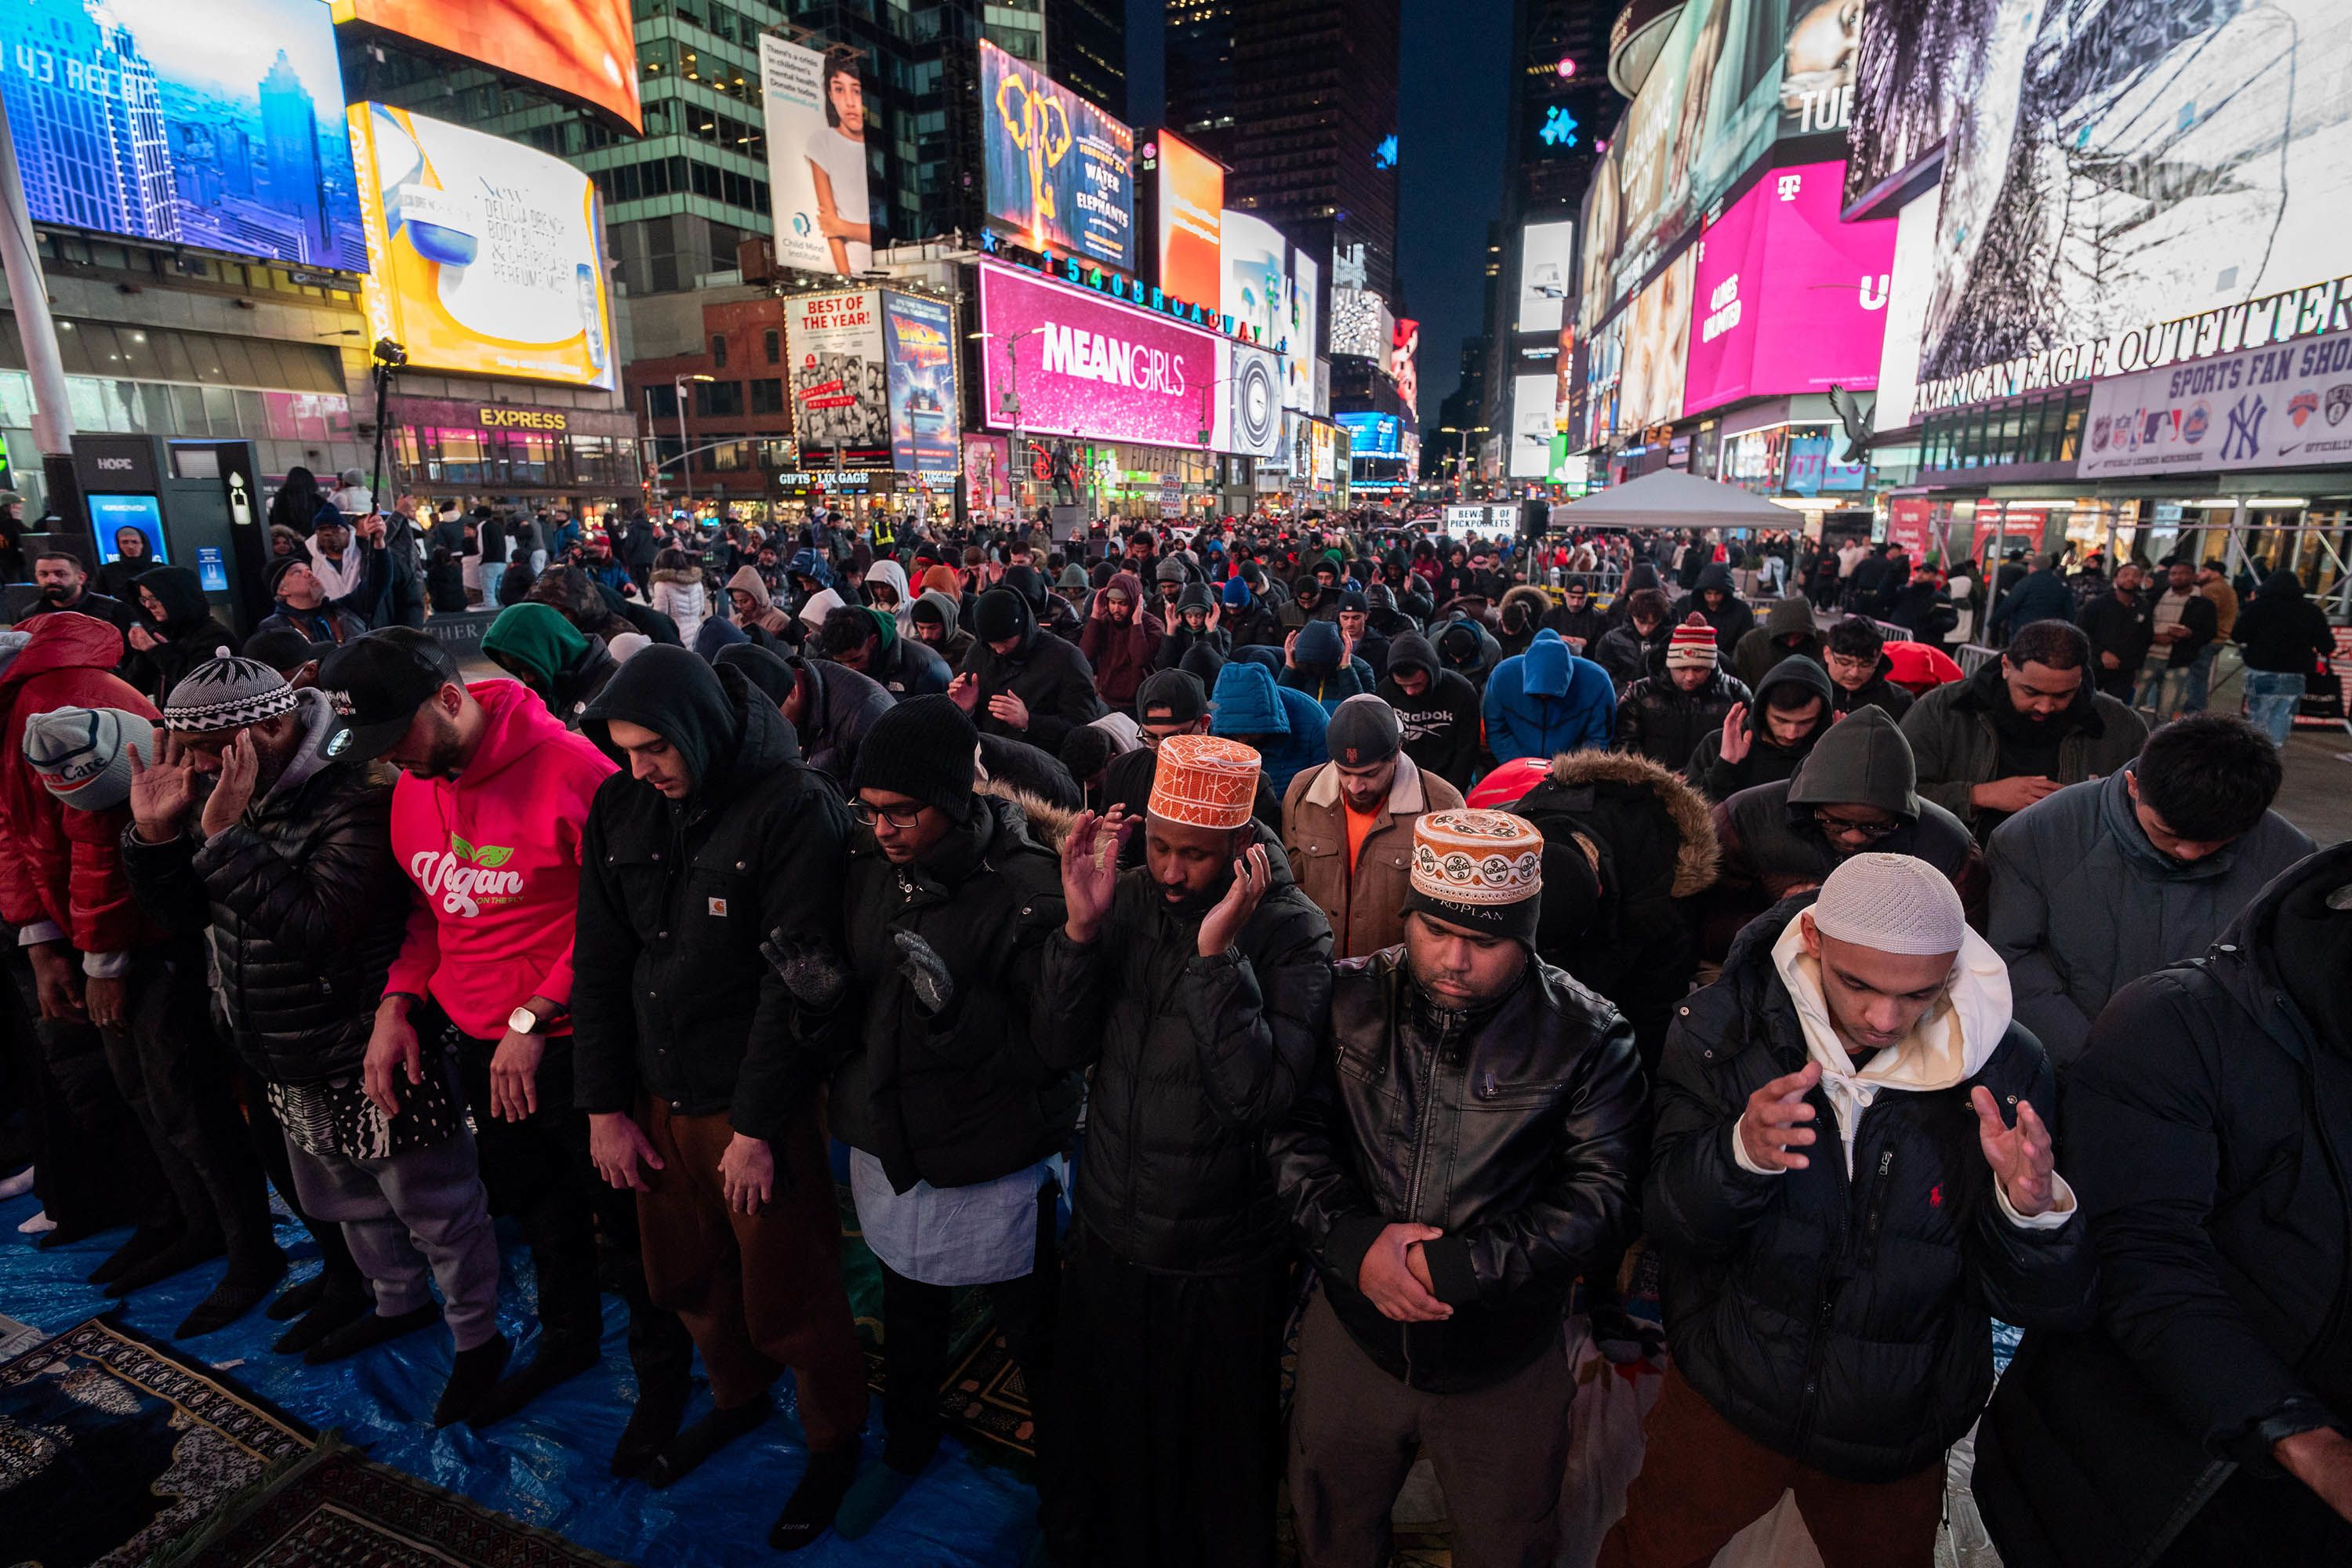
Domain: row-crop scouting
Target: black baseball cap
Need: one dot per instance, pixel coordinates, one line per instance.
(375, 685)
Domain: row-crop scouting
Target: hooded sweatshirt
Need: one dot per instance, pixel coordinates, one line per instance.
(1546, 701)
(955, 643)
(1788, 630)
(1733, 621)
(189, 633)
(1314, 666)
(1051, 676)
(2281, 631)
(1122, 655)
(1766, 761)
(1286, 726)
(1441, 726)
(566, 665)
(495, 855)
(890, 574)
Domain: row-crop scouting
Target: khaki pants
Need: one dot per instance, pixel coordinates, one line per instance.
(1703, 1481)
(759, 1293)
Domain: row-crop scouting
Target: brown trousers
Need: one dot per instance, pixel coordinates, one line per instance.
(759, 1293)
(1703, 1481)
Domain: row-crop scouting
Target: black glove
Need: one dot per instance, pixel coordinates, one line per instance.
(926, 972)
(811, 970)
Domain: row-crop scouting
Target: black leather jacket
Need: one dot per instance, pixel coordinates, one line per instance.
(1519, 1130)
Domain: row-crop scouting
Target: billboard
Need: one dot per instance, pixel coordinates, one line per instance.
(1906, 309)
(2238, 121)
(1786, 299)
(584, 49)
(814, 109)
(1301, 331)
(1088, 366)
(1914, 67)
(841, 391)
(1732, 77)
(1061, 173)
(1255, 287)
(1533, 402)
(1360, 324)
(919, 341)
(987, 474)
(1191, 204)
(1372, 434)
(1657, 345)
(2278, 408)
(1404, 353)
(1546, 270)
(486, 258)
(144, 119)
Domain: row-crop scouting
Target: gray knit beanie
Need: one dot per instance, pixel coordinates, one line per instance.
(81, 754)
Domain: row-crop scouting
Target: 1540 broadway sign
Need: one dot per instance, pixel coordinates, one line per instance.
(2287, 406)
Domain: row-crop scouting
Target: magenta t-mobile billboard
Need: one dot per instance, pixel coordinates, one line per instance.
(1787, 299)
(1088, 366)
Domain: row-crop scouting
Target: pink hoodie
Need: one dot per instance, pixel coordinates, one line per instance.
(496, 859)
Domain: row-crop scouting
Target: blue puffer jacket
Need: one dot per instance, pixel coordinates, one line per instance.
(1547, 700)
(1318, 671)
(1286, 726)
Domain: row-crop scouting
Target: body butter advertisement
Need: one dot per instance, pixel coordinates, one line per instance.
(484, 256)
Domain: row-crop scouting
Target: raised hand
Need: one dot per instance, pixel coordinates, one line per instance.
(1252, 877)
(926, 972)
(811, 972)
(1009, 710)
(1735, 739)
(1090, 871)
(2021, 1157)
(965, 691)
(1773, 1127)
(162, 791)
(232, 791)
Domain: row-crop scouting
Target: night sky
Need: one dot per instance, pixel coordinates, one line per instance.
(1450, 110)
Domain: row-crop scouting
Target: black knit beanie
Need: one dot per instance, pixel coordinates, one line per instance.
(923, 750)
(997, 615)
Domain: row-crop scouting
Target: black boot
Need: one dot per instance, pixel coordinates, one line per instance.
(192, 1248)
(559, 1359)
(239, 1292)
(149, 1238)
(690, 1448)
(653, 1422)
(367, 1333)
(336, 1303)
(471, 1378)
(815, 1501)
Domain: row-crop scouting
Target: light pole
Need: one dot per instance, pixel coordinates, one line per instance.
(1012, 401)
(685, 484)
(1461, 450)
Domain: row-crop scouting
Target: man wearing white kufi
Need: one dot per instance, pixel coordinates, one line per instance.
(1851, 1171)
(1469, 1144)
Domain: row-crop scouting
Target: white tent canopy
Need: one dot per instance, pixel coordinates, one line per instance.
(1672, 498)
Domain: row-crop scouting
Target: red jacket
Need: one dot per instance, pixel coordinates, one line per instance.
(58, 864)
(1122, 658)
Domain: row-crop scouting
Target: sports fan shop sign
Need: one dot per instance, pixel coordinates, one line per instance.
(2288, 405)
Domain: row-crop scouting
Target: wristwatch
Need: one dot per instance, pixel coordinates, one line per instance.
(523, 1021)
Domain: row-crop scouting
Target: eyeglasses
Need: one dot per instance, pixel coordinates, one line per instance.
(901, 817)
(1844, 826)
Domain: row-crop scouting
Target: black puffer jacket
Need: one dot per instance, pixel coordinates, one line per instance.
(1628, 656)
(2209, 1136)
(1194, 1057)
(1660, 720)
(671, 998)
(1050, 675)
(1517, 1129)
(307, 908)
(966, 1097)
(838, 704)
(1842, 1320)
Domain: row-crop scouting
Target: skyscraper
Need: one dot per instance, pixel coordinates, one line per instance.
(102, 160)
(290, 137)
(1300, 97)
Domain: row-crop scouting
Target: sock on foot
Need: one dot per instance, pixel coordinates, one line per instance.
(815, 1501)
(558, 1359)
(300, 1297)
(341, 1302)
(471, 1378)
(876, 1492)
(653, 1422)
(192, 1248)
(368, 1331)
(239, 1292)
(697, 1443)
(143, 1242)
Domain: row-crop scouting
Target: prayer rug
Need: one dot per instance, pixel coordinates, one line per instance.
(112, 1445)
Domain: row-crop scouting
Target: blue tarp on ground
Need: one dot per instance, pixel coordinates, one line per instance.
(546, 1465)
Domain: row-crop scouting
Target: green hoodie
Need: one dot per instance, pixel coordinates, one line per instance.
(536, 636)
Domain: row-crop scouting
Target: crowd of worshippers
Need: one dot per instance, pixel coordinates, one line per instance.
(1454, 1008)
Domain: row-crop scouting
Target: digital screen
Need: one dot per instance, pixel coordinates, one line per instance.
(1533, 427)
(840, 380)
(1256, 288)
(1657, 343)
(1299, 331)
(1547, 273)
(486, 255)
(1086, 365)
(149, 119)
(2238, 121)
(1192, 203)
(584, 49)
(919, 341)
(212, 570)
(1061, 173)
(1359, 326)
(814, 109)
(1786, 299)
(1372, 434)
(111, 516)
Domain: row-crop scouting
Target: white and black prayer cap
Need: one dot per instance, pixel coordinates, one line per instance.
(227, 694)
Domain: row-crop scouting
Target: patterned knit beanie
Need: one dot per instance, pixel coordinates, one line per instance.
(1692, 646)
(227, 694)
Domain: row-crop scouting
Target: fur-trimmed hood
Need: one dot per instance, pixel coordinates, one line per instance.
(1700, 857)
(1534, 602)
(1049, 825)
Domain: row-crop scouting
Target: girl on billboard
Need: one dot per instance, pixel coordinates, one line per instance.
(836, 158)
